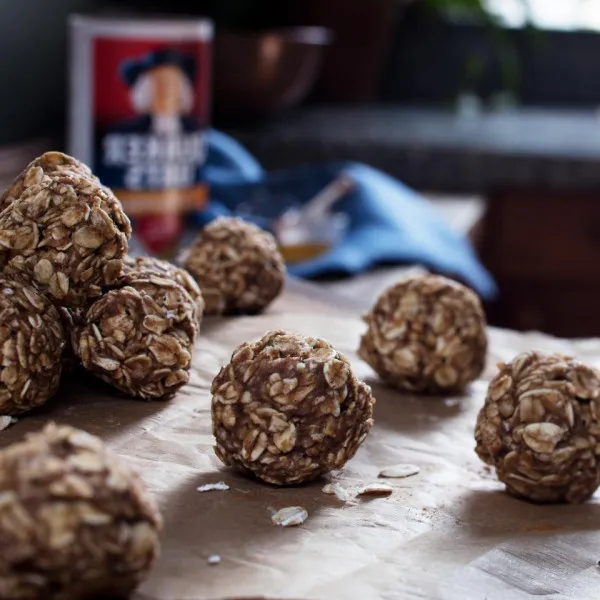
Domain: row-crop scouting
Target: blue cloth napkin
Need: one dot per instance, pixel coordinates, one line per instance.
(388, 222)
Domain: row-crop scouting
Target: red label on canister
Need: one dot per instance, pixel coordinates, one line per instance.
(139, 113)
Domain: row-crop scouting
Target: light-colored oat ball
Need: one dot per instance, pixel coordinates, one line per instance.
(426, 334)
(75, 521)
(237, 266)
(540, 428)
(41, 170)
(141, 266)
(67, 236)
(139, 337)
(288, 408)
(31, 348)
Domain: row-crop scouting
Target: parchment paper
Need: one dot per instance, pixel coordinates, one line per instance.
(449, 533)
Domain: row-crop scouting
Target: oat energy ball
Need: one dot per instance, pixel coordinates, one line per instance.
(288, 409)
(71, 319)
(68, 237)
(40, 171)
(426, 334)
(139, 338)
(75, 521)
(237, 265)
(150, 266)
(540, 428)
(31, 347)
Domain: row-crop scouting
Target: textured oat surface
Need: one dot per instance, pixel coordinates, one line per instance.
(426, 333)
(31, 348)
(540, 427)
(68, 236)
(71, 319)
(40, 171)
(288, 409)
(237, 265)
(139, 337)
(147, 265)
(75, 522)
(449, 533)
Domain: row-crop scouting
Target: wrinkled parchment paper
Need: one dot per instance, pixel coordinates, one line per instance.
(448, 533)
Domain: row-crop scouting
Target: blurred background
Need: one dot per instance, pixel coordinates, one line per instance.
(488, 108)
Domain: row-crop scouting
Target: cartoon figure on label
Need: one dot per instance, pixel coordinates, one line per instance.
(162, 91)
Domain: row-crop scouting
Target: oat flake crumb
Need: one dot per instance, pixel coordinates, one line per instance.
(290, 516)
(400, 471)
(376, 489)
(6, 422)
(221, 486)
(335, 489)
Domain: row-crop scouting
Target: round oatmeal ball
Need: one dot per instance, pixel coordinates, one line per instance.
(426, 334)
(71, 319)
(139, 337)
(540, 428)
(237, 266)
(67, 237)
(41, 170)
(75, 521)
(150, 266)
(31, 348)
(288, 409)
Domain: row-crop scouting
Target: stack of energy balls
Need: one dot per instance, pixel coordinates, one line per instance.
(74, 520)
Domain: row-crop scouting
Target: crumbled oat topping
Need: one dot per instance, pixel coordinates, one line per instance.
(335, 489)
(290, 516)
(375, 489)
(399, 471)
(220, 486)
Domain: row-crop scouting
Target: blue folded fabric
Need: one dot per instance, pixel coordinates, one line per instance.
(388, 222)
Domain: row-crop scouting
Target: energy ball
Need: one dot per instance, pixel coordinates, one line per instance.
(31, 348)
(426, 334)
(147, 265)
(41, 170)
(139, 338)
(71, 319)
(75, 521)
(68, 237)
(288, 409)
(237, 265)
(540, 428)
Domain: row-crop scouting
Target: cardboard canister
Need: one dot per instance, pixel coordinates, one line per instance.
(139, 112)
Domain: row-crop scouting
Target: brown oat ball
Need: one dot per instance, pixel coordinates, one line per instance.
(540, 428)
(426, 334)
(288, 409)
(41, 170)
(147, 265)
(75, 521)
(68, 237)
(140, 337)
(71, 319)
(31, 347)
(237, 265)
